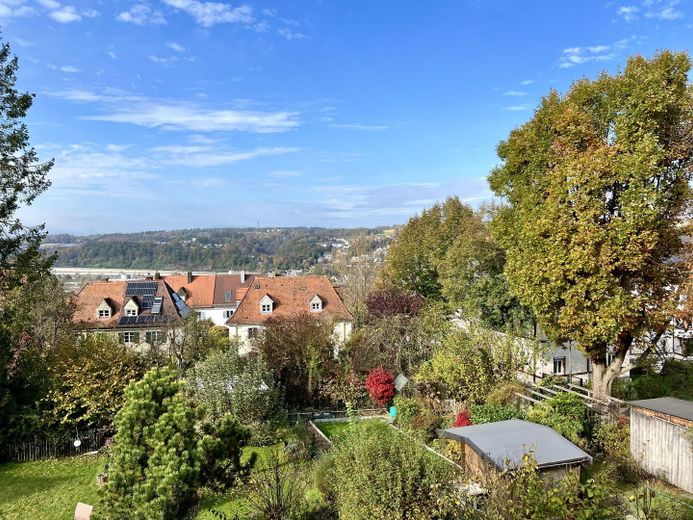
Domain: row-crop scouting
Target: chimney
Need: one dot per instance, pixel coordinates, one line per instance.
(243, 276)
(189, 276)
(157, 275)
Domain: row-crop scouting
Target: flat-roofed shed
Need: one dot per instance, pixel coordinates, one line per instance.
(503, 444)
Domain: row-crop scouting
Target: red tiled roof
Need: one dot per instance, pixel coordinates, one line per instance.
(207, 290)
(93, 293)
(291, 297)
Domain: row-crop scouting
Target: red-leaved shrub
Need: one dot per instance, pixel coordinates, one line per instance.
(381, 385)
(462, 419)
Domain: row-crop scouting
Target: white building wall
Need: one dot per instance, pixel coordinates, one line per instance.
(218, 315)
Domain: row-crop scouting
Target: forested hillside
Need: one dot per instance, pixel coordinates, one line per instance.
(201, 249)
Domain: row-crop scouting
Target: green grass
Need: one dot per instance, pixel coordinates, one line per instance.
(48, 489)
(338, 429)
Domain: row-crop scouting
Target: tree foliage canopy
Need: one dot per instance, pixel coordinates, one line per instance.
(597, 185)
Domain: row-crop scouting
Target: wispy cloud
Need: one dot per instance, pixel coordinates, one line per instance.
(67, 13)
(69, 69)
(15, 9)
(665, 10)
(121, 107)
(208, 156)
(359, 126)
(141, 14)
(518, 108)
(285, 174)
(527, 82)
(628, 12)
(291, 35)
(175, 46)
(207, 14)
(514, 93)
(573, 56)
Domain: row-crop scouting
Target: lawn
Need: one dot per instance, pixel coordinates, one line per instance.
(48, 489)
(337, 429)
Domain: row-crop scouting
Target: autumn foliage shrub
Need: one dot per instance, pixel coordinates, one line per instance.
(462, 419)
(380, 385)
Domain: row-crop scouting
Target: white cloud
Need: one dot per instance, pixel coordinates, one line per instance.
(15, 9)
(514, 93)
(122, 107)
(291, 35)
(628, 12)
(517, 108)
(69, 69)
(141, 14)
(573, 56)
(67, 14)
(662, 9)
(359, 126)
(285, 174)
(207, 14)
(527, 82)
(175, 46)
(113, 55)
(208, 156)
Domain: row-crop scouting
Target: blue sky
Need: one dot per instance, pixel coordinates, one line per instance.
(167, 114)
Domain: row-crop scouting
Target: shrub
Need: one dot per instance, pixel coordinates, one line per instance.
(381, 386)
(377, 472)
(504, 393)
(407, 409)
(277, 490)
(488, 413)
(159, 457)
(612, 442)
(462, 419)
(565, 413)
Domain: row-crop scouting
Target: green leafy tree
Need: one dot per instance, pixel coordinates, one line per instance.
(300, 353)
(565, 413)
(195, 340)
(224, 383)
(597, 185)
(89, 378)
(163, 451)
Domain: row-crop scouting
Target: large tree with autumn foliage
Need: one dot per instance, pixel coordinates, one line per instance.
(597, 190)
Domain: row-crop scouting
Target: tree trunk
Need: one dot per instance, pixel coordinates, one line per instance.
(603, 375)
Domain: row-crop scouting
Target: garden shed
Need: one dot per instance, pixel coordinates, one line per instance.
(500, 445)
(658, 439)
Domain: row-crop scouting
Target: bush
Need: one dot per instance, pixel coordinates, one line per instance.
(277, 490)
(407, 409)
(159, 457)
(565, 413)
(381, 386)
(462, 418)
(612, 442)
(377, 472)
(488, 413)
(504, 393)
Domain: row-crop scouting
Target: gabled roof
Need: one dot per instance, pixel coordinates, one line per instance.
(291, 297)
(207, 290)
(505, 442)
(92, 295)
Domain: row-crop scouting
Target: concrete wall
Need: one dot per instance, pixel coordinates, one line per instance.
(659, 445)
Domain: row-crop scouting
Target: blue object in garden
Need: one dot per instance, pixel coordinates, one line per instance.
(393, 412)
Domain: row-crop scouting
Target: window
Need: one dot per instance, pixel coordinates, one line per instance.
(228, 296)
(228, 314)
(104, 313)
(609, 358)
(559, 365)
(131, 312)
(266, 308)
(252, 332)
(315, 306)
(131, 337)
(154, 337)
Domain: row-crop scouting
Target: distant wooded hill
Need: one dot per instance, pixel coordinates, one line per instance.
(204, 249)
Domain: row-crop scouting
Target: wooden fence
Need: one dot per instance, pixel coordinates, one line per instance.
(51, 447)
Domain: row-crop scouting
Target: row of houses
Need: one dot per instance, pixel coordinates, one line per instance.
(147, 313)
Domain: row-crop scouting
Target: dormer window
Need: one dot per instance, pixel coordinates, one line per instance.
(316, 304)
(228, 296)
(104, 310)
(131, 308)
(266, 305)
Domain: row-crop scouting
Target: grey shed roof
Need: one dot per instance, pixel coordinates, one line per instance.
(503, 441)
(667, 405)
